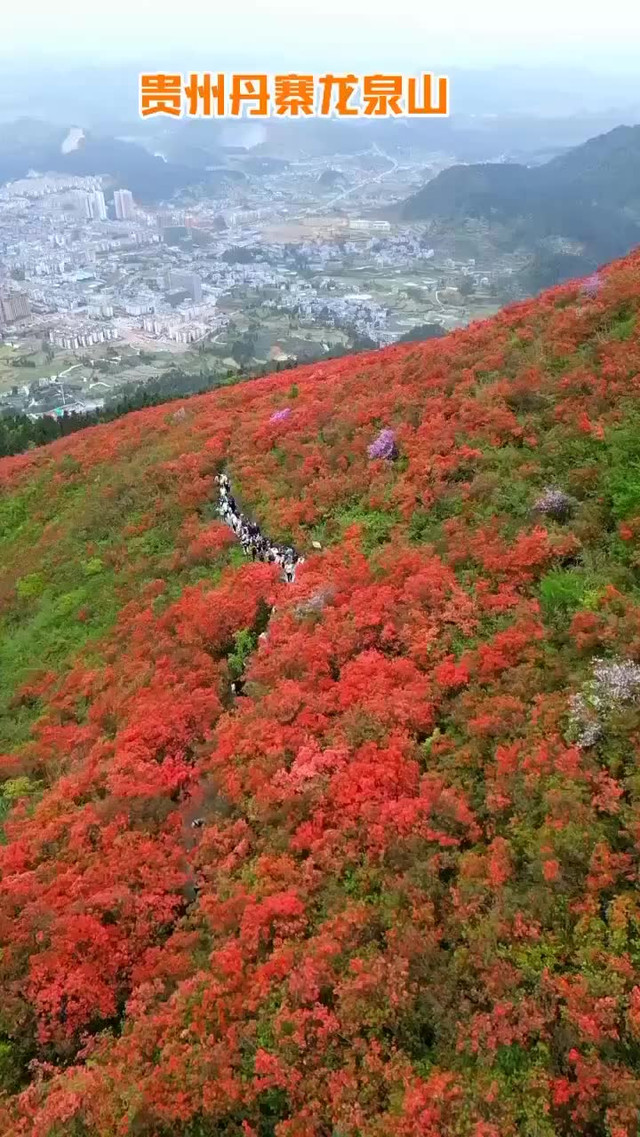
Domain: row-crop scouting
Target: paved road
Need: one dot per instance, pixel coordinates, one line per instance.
(328, 205)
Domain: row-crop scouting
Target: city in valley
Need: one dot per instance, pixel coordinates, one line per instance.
(299, 261)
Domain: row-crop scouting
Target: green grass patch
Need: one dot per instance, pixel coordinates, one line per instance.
(562, 592)
(377, 525)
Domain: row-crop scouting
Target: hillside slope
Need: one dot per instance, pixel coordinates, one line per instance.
(412, 906)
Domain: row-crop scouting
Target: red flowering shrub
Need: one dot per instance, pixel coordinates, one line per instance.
(381, 889)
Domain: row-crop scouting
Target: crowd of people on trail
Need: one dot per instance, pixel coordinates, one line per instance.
(254, 544)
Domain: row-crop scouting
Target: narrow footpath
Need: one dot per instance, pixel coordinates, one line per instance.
(254, 543)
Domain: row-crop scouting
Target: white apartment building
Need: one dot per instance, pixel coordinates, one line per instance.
(124, 205)
(96, 206)
(368, 226)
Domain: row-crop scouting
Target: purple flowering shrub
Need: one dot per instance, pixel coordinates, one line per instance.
(555, 503)
(591, 285)
(280, 416)
(384, 446)
(613, 684)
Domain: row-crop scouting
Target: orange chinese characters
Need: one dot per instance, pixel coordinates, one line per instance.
(382, 94)
(251, 91)
(336, 92)
(294, 94)
(205, 95)
(257, 95)
(421, 103)
(161, 94)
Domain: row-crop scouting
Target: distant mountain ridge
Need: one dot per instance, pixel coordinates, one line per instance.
(29, 144)
(589, 194)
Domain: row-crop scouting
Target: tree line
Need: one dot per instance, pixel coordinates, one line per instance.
(19, 432)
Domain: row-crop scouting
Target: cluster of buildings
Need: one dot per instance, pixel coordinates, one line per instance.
(81, 265)
(355, 312)
(184, 333)
(70, 392)
(73, 341)
(79, 271)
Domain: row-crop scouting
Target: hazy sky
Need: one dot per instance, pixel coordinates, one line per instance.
(331, 33)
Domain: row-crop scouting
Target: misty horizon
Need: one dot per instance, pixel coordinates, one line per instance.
(282, 34)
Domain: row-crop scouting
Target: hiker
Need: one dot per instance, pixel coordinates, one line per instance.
(254, 542)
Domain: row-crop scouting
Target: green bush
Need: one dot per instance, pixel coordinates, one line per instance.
(244, 645)
(30, 586)
(562, 591)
